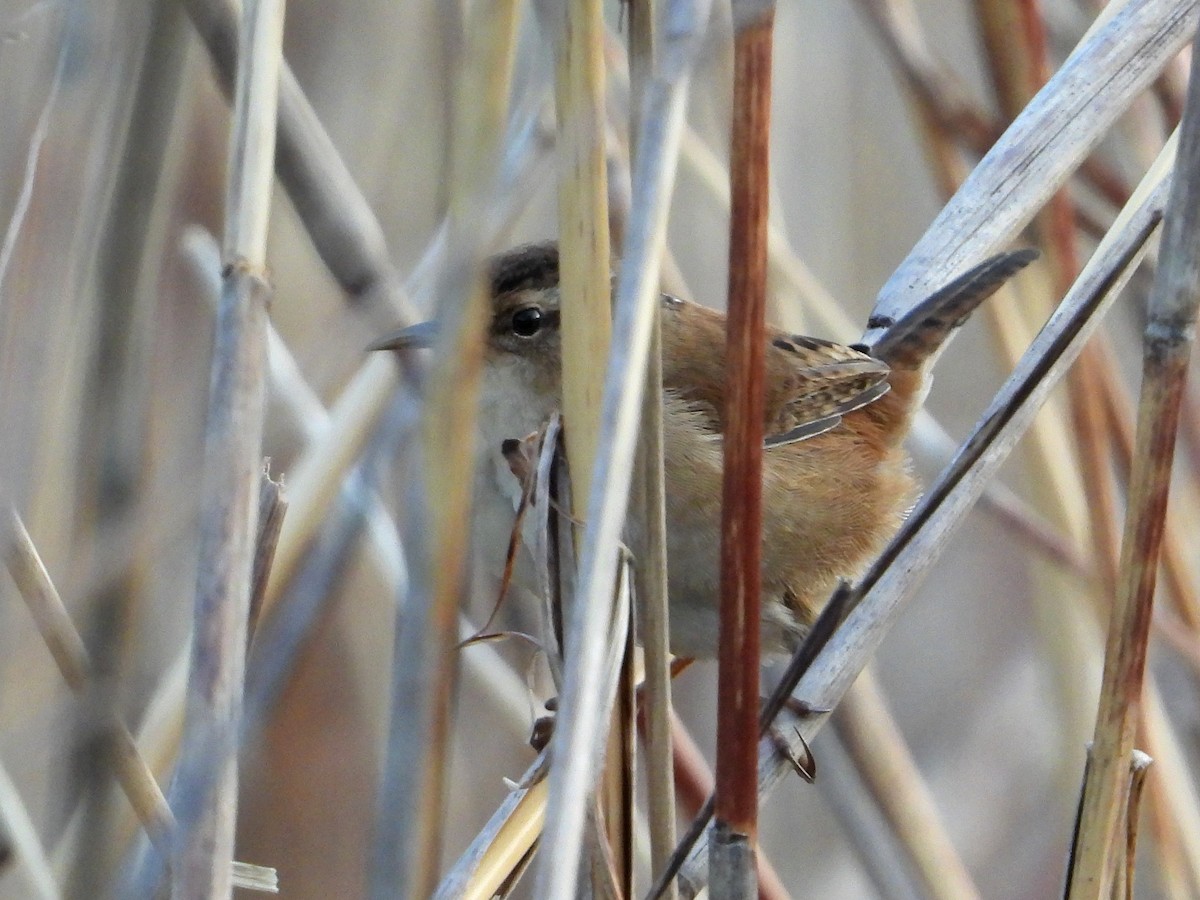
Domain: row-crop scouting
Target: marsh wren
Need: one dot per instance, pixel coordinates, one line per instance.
(836, 480)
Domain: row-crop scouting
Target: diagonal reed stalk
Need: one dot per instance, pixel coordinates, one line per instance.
(872, 739)
(24, 855)
(75, 665)
(340, 222)
(1045, 143)
(893, 577)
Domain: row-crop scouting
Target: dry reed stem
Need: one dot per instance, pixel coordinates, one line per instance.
(503, 842)
(637, 286)
(1009, 510)
(952, 110)
(576, 27)
(1167, 348)
(1139, 765)
(206, 777)
(694, 783)
(409, 825)
(881, 755)
(227, 548)
(1122, 855)
(584, 251)
(650, 557)
(735, 828)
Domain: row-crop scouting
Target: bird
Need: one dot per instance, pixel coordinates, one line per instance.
(837, 480)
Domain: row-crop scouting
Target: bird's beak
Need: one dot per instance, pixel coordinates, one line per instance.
(420, 335)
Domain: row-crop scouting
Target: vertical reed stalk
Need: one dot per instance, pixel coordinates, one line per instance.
(586, 285)
(204, 795)
(650, 558)
(410, 821)
(732, 869)
(1166, 351)
(584, 248)
(636, 304)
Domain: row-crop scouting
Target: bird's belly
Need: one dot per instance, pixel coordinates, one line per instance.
(693, 586)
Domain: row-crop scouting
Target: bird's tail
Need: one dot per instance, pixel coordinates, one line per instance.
(912, 343)
(922, 331)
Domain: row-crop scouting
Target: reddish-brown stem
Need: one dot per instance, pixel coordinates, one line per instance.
(693, 787)
(741, 523)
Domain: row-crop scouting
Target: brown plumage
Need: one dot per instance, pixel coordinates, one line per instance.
(835, 476)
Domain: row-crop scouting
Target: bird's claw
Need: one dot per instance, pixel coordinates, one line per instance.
(805, 766)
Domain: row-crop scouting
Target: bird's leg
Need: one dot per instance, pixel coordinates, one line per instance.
(802, 709)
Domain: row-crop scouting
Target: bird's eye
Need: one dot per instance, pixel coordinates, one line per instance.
(527, 322)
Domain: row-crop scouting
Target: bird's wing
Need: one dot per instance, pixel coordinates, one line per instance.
(809, 383)
(812, 383)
